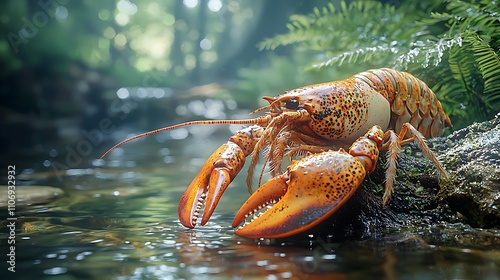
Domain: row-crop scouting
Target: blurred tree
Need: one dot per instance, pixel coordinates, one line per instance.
(203, 40)
(62, 61)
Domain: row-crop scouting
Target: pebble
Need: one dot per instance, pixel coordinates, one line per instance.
(29, 195)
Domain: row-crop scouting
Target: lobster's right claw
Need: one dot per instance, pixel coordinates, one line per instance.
(309, 192)
(210, 183)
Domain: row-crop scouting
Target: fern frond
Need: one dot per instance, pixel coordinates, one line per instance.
(488, 63)
(461, 67)
(355, 56)
(474, 15)
(361, 23)
(428, 52)
(302, 28)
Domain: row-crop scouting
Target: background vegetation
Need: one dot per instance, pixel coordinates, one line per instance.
(452, 45)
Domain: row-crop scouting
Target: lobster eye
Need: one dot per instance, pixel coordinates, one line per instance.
(292, 104)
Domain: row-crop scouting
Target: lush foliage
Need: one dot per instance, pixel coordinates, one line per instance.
(452, 45)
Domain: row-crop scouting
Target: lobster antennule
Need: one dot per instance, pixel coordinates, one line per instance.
(268, 99)
(273, 103)
(258, 120)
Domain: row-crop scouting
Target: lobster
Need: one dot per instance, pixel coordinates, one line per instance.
(315, 123)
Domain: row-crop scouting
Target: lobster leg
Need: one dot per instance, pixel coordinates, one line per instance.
(216, 175)
(393, 145)
(310, 191)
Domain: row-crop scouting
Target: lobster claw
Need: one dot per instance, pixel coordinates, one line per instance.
(310, 191)
(210, 183)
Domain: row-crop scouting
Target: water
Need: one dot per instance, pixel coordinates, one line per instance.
(118, 220)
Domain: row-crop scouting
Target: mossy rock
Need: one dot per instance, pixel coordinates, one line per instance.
(422, 198)
(471, 156)
(473, 160)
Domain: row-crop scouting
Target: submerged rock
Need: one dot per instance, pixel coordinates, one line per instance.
(29, 195)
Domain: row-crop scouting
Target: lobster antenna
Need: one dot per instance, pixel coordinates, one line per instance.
(259, 120)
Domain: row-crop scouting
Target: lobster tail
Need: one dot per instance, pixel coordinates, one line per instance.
(412, 101)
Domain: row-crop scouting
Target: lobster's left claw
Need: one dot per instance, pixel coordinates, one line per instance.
(209, 185)
(310, 191)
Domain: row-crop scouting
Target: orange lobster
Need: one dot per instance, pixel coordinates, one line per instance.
(313, 120)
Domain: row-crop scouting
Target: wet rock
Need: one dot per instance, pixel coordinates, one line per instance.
(421, 198)
(471, 156)
(30, 195)
(473, 160)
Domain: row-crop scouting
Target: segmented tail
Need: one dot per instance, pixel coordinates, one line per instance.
(411, 100)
